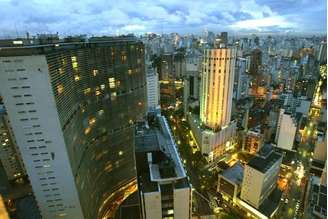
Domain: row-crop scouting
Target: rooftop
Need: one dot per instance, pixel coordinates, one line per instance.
(318, 198)
(35, 46)
(270, 204)
(265, 158)
(235, 173)
(157, 158)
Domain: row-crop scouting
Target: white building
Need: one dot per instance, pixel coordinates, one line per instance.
(153, 92)
(47, 180)
(260, 176)
(286, 130)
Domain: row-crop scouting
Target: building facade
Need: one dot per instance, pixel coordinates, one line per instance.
(72, 106)
(286, 130)
(254, 141)
(260, 176)
(217, 87)
(153, 93)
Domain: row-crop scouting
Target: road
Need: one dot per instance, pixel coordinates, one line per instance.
(292, 205)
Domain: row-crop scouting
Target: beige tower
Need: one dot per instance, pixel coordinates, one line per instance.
(217, 87)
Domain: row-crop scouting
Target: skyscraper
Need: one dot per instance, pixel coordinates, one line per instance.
(286, 130)
(72, 106)
(322, 54)
(152, 89)
(256, 61)
(213, 129)
(217, 87)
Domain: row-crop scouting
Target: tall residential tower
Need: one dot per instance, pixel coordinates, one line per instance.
(72, 107)
(217, 87)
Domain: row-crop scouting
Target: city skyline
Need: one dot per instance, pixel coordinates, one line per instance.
(106, 18)
(163, 109)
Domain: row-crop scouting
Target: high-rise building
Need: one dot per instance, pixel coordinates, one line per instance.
(71, 107)
(191, 80)
(217, 87)
(255, 62)
(9, 153)
(286, 130)
(242, 80)
(254, 140)
(224, 37)
(320, 150)
(213, 129)
(163, 185)
(260, 176)
(152, 89)
(322, 54)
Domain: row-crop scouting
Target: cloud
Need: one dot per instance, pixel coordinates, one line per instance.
(266, 22)
(124, 16)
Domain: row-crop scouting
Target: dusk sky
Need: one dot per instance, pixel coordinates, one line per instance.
(100, 17)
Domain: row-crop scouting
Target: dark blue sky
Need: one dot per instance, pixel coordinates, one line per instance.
(124, 16)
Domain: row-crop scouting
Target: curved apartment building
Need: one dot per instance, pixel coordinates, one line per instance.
(72, 107)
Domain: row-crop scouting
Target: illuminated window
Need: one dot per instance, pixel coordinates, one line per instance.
(123, 58)
(63, 61)
(87, 130)
(108, 167)
(60, 88)
(74, 62)
(111, 82)
(73, 58)
(130, 71)
(102, 87)
(92, 121)
(61, 71)
(95, 72)
(120, 153)
(87, 90)
(113, 96)
(76, 77)
(100, 112)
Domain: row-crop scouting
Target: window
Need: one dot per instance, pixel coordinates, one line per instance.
(60, 89)
(61, 71)
(111, 82)
(95, 72)
(87, 90)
